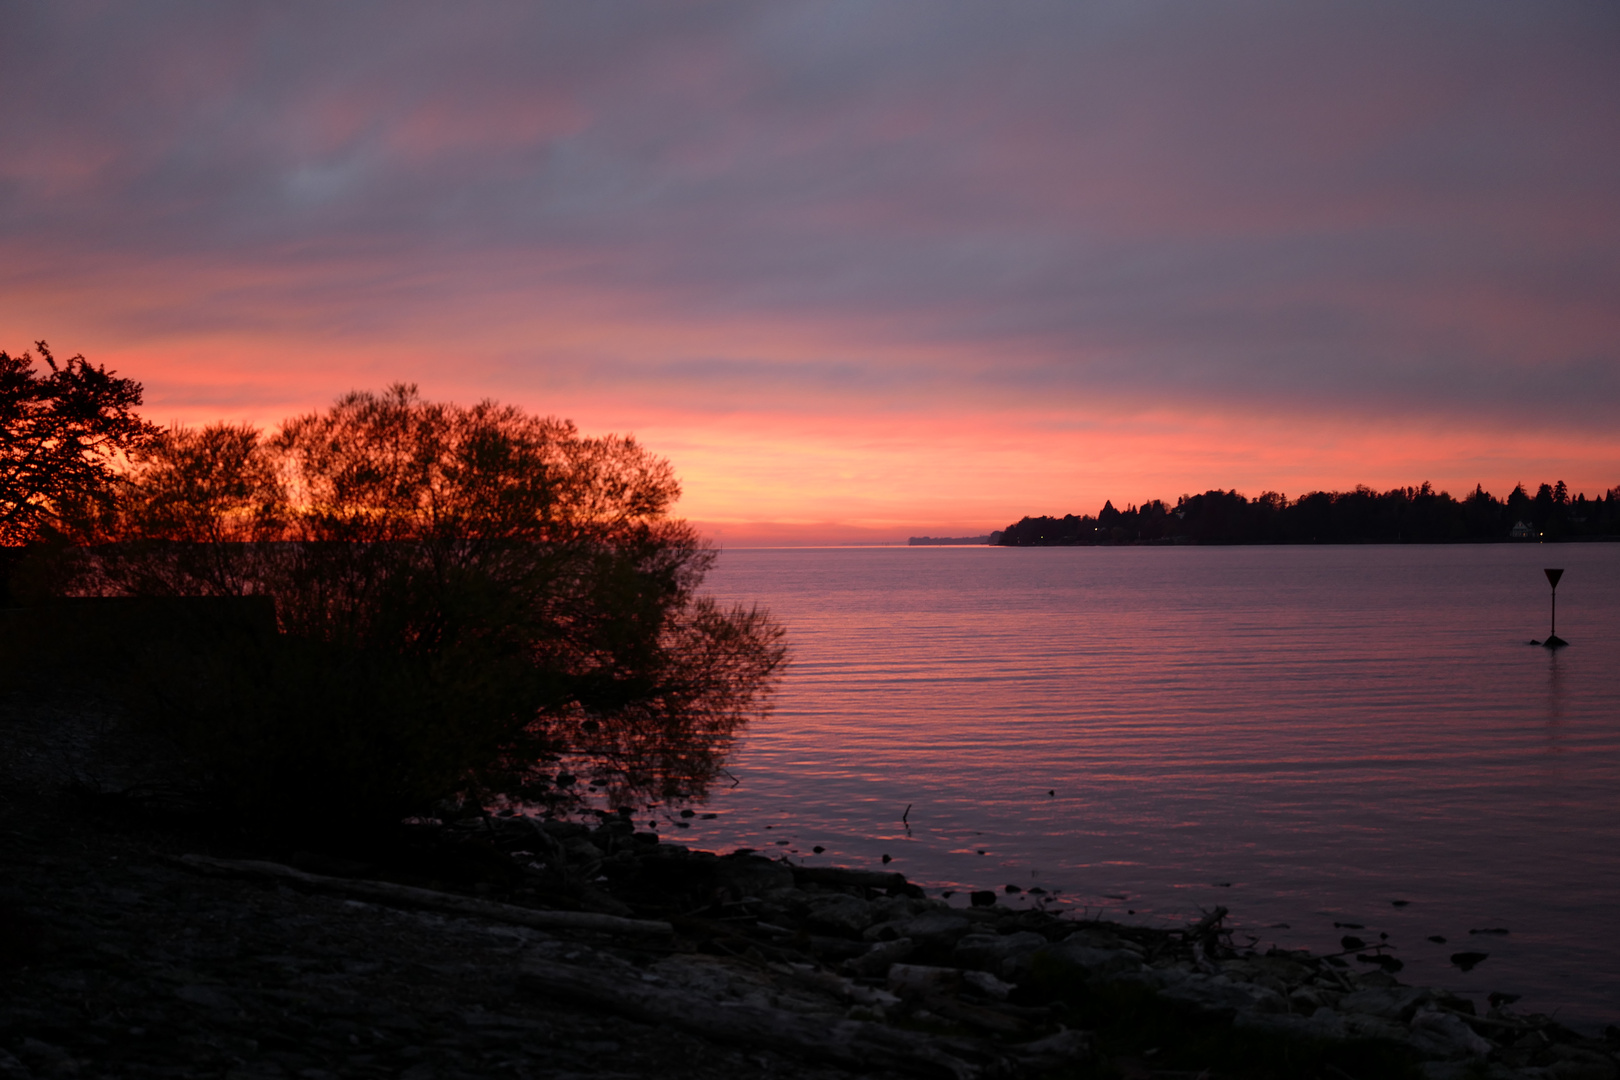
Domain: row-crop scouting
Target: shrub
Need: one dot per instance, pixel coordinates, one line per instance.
(466, 597)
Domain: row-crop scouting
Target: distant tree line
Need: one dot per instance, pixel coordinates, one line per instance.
(1363, 516)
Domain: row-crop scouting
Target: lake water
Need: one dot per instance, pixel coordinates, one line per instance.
(1303, 734)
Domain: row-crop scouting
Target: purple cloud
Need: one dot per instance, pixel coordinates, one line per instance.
(1384, 209)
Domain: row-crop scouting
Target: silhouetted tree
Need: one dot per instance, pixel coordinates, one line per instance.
(508, 590)
(60, 435)
(1519, 506)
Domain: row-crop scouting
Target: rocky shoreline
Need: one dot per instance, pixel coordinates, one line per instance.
(134, 944)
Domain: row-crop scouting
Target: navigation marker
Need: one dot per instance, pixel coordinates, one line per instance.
(1553, 640)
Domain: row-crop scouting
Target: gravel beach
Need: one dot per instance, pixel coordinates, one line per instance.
(135, 943)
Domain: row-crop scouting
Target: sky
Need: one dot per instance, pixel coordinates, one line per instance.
(860, 270)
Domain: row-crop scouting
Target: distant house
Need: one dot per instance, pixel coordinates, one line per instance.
(1521, 531)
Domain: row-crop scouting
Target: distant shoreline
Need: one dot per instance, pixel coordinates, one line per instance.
(1184, 541)
(1179, 542)
(1187, 541)
(1400, 515)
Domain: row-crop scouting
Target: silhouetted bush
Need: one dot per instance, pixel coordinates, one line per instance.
(60, 435)
(470, 601)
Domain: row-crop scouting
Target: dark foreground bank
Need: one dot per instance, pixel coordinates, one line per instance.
(138, 941)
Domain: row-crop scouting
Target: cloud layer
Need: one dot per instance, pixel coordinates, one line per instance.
(1051, 249)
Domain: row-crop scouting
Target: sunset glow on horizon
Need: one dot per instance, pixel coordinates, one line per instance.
(859, 271)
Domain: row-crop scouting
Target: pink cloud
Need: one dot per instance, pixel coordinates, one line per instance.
(847, 265)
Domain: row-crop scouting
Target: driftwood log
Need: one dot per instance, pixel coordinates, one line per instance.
(386, 892)
(851, 1043)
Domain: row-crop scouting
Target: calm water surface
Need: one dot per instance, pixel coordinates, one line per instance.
(1305, 735)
